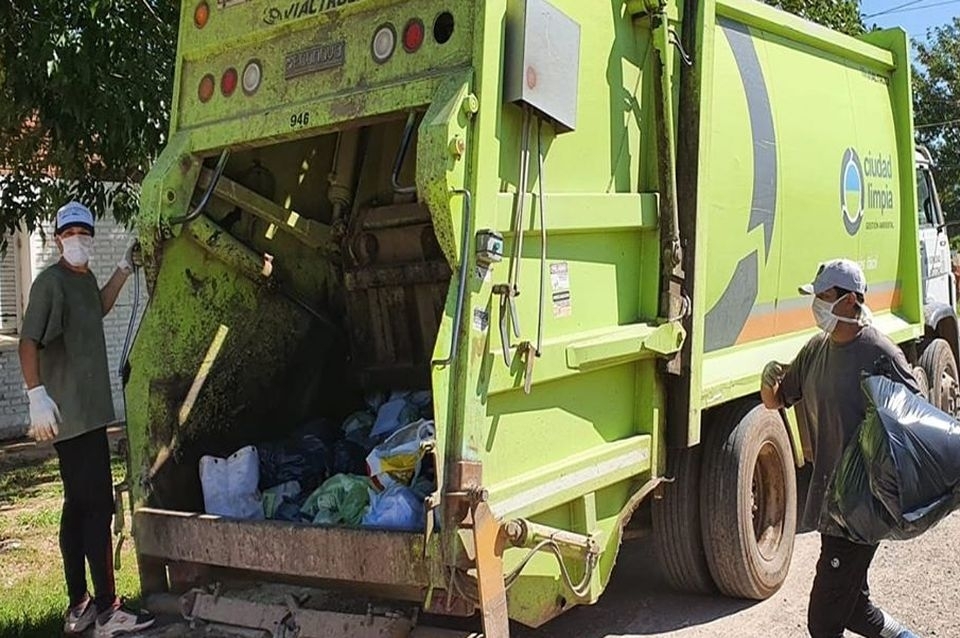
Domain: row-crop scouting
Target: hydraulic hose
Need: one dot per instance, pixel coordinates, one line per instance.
(207, 194)
(133, 319)
(543, 238)
(408, 131)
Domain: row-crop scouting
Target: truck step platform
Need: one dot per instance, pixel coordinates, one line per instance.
(211, 615)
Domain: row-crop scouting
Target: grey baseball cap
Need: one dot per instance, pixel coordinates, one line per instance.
(839, 273)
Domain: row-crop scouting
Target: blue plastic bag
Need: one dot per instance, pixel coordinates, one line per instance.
(396, 508)
(274, 499)
(400, 410)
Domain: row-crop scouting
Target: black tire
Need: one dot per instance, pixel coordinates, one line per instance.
(749, 501)
(941, 368)
(676, 525)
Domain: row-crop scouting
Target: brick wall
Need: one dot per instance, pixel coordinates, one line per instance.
(111, 242)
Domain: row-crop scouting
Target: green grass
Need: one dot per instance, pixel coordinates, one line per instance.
(32, 592)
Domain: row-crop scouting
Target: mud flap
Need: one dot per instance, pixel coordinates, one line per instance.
(493, 593)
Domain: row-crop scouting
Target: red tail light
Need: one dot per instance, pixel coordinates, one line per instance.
(228, 83)
(413, 35)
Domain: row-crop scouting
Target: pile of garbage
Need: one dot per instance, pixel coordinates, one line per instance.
(371, 471)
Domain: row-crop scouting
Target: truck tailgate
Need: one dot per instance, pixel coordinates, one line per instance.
(350, 556)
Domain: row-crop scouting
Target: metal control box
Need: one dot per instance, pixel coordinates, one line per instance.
(542, 61)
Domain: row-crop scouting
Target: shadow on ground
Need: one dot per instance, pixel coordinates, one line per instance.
(640, 602)
(23, 480)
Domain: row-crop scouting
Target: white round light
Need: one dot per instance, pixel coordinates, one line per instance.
(252, 75)
(384, 42)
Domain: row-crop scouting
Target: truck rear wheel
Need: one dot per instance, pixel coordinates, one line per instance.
(676, 525)
(748, 501)
(941, 368)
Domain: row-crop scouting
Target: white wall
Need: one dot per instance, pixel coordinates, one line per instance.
(111, 242)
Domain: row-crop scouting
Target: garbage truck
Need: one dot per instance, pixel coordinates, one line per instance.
(580, 226)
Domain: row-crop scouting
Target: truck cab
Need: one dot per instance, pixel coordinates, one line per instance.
(939, 284)
(939, 363)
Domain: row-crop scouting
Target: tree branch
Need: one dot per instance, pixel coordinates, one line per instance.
(153, 13)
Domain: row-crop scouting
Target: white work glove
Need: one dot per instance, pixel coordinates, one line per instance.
(44, 415)
(127, 263)
(773, 374)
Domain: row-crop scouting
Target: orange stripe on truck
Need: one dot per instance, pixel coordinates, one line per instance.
(765, 324)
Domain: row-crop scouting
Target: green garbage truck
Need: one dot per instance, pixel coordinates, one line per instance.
(579, 225)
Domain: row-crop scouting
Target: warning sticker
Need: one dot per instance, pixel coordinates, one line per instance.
(483, 274)
(560, 285)
(481, 319)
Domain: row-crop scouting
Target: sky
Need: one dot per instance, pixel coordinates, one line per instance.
(915, 16)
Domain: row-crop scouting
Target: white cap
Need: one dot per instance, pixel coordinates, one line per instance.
(72, 215)
(839, 273)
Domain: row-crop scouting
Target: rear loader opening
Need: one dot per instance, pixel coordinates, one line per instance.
(301, 309)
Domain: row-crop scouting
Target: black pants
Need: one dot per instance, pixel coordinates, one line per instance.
(840, 598)
(86, 517)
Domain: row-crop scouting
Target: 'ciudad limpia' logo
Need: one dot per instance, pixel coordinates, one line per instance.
(865, 186)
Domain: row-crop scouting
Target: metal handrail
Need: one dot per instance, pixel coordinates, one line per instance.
(402, 155)
(462, 285)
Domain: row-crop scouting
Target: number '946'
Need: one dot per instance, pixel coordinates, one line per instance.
(299, 120)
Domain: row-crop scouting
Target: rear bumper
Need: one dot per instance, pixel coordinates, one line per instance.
(348, 557)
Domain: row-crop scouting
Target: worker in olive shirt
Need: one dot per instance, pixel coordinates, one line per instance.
(824, 383)
(64, 359)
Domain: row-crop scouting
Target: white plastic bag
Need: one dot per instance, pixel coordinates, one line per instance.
(396, 460)
(230, 484)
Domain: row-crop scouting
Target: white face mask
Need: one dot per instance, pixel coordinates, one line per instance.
(77, 250)
(827, 321)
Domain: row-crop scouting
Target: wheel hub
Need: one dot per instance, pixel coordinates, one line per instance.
(768, 496)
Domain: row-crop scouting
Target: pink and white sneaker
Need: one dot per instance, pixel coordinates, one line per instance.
(80, 617)
(120, 620)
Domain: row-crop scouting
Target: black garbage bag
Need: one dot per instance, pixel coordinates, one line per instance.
(303, 456)
(348, 457)
(900, 475)
(850, 509)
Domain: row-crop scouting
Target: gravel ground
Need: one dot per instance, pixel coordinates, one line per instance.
(917, 581)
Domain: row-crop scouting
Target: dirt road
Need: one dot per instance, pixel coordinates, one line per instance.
(917, 581)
